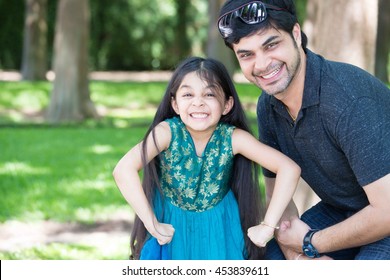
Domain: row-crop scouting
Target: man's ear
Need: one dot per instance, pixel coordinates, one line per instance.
(296, 32)
(228, 105)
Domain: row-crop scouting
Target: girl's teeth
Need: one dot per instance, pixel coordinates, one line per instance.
(199, 116)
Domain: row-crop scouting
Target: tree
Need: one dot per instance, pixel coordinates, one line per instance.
(215, 45)
(34, 66)
(343, 30)
(383, 42)
(70, 99)
(182, 42)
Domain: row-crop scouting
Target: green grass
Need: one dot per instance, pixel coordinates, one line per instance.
(60, 173)
(63, 173)
(61, 251)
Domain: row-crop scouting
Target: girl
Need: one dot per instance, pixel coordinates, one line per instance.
(200, 192)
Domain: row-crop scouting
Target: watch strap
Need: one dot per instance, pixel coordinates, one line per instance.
(308, 249)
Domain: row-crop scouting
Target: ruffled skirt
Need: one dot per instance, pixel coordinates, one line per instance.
(214, 234)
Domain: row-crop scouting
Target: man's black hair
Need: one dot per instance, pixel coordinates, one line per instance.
(279, 19)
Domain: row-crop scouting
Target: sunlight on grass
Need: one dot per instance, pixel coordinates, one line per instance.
(101, 149)
(61, 251)
(19, 168)
(19, 95)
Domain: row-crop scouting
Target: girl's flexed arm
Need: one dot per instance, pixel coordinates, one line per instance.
(126, 175)
(287, 176)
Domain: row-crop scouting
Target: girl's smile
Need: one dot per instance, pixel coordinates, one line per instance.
(199, 104)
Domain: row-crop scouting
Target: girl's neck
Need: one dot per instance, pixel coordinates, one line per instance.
(200, 139)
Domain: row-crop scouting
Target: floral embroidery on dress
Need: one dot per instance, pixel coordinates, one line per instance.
(191, 182)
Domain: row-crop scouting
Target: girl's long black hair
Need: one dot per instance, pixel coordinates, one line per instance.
(245, 179)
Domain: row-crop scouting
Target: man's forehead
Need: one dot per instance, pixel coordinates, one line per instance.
(261, 37)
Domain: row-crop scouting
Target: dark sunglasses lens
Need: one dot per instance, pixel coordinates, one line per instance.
(253, 13)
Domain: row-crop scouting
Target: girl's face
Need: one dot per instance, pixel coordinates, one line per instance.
(199, 104)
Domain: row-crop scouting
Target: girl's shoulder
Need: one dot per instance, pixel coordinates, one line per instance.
(174, 123)
(224, 128)
(239, 133)
(242, 139)
(162, 135)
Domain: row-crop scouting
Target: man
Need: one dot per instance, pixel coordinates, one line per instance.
(332, 118)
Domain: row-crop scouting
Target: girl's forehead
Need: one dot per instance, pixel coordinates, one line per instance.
(198, 79)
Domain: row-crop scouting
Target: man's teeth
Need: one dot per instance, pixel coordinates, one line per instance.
(272, 74)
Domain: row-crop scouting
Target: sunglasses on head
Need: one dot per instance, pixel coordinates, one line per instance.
(250, 13)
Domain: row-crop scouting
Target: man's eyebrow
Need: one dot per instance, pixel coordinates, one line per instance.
(265, 43)
(269, 40)
(242, 51)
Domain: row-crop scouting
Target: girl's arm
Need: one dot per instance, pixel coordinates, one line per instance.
(286, 170)
(126, 175)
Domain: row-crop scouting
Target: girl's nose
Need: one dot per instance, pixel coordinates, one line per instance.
(198, 101)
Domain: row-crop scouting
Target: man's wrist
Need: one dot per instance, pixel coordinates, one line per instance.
(308, 248)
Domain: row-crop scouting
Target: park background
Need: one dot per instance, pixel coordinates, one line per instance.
(79, 84)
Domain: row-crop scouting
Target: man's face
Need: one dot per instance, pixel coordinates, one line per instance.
(270, 59)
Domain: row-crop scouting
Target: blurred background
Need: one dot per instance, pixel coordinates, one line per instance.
(79, 84)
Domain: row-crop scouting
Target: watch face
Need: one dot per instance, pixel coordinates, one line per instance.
(310, 251)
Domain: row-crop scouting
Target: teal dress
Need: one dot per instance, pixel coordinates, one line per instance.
(197, 199)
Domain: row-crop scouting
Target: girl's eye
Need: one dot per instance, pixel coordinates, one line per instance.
(210, 94)
(186, 94)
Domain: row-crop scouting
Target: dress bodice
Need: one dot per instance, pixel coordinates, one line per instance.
(192, 182)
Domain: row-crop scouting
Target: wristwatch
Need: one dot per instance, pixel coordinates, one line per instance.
(308, 249)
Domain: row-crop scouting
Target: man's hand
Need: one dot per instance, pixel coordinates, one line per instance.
(291, 234)
(290, 238)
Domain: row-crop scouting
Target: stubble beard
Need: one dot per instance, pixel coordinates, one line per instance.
(292, 72)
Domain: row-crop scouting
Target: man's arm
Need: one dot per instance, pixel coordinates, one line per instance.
(370, 224)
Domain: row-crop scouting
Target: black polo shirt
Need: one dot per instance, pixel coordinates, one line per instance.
(341, 138)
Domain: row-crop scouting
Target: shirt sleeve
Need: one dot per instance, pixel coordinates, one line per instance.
(265, 134)
(363, 132)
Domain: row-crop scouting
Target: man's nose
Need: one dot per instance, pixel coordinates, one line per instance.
(261, 64)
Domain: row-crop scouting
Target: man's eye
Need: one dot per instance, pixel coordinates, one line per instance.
(245, 55)
(272, 45)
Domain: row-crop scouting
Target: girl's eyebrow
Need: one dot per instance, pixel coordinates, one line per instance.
(184, 86)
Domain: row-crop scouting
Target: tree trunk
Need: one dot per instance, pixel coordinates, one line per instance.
(70, 99)
(383, 41)
(343, 30)
(215, 46)
(183, 44)
(34, 65)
